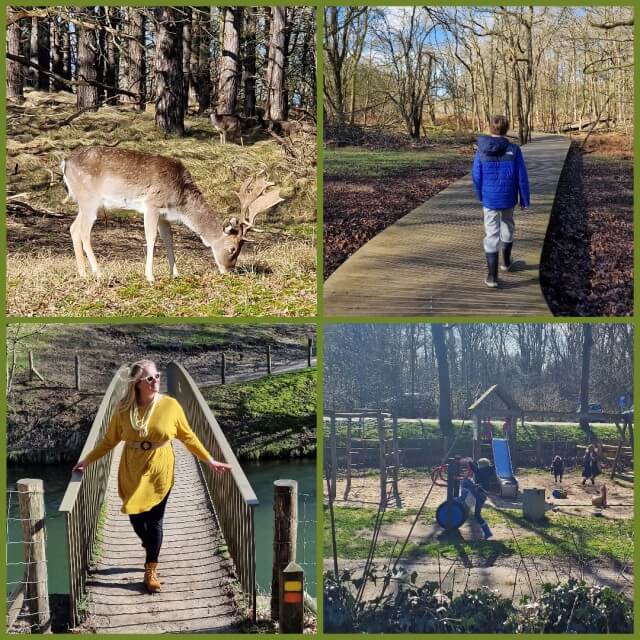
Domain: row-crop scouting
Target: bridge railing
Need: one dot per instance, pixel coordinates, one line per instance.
(84, 496)
(232, 496)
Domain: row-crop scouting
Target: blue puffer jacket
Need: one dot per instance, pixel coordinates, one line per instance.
(499, 174)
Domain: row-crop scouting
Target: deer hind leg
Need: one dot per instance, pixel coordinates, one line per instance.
(81, 237)
(164, 227)
(151, 218)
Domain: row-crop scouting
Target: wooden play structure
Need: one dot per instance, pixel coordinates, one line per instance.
(357, 447)
(496, 404)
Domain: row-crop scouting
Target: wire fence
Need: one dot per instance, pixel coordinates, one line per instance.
(22, 576)
(306, 556)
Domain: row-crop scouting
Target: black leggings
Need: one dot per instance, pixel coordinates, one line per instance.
(148, 527)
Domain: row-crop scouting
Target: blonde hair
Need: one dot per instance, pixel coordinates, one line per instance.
(135, 375)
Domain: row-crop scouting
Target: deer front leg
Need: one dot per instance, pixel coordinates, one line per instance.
(167, 237)
(77, 246)
(81, 237)
(151, 217)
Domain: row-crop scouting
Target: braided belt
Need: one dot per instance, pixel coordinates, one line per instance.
(145, 445)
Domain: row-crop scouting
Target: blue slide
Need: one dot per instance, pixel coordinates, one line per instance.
(502, 459)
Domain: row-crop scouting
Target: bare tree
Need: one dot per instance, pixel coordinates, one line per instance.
(87, 96)
(230, 63)
(168, 72)
(276, 65)
(15, 78)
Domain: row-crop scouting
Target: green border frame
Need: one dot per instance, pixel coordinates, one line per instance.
(319, 320)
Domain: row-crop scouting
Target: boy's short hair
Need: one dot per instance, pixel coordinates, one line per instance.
(498, 125)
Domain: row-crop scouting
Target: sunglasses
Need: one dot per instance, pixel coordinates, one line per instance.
(150, 379)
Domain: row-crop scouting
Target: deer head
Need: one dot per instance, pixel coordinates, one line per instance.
(255, 197)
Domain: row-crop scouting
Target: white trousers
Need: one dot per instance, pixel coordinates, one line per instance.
(498, 226)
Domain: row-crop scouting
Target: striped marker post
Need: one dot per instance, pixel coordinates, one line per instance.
(292, 599)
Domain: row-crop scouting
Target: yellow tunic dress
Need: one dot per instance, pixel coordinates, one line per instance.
(145, 477)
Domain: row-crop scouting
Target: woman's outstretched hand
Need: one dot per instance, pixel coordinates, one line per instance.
(81, 466)
(218, 467)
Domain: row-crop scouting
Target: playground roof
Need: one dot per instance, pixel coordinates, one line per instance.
(495, 400)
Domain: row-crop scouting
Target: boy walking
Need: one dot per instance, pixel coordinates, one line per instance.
(500, 180)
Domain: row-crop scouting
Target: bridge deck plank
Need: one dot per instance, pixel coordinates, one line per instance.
(431, 262)
(195, 595)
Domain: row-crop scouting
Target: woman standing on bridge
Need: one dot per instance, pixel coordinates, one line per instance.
(147, 421)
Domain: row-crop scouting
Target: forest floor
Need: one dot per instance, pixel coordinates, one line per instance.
(574, 539)
(48, 421)
(275, 276)
(587, 262)
(370, 186)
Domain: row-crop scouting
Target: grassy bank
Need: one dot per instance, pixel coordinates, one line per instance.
(528, 434)
(556, 536)
(274, 417)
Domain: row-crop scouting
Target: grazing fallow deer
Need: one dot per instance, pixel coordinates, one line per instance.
(163, 191)
(225, 124)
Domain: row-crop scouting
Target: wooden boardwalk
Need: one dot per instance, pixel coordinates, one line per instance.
(196, 595)
(431, 261)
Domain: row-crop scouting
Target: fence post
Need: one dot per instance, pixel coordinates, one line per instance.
(309, 351)
(77, 359)
(269, 359)
(223, 369)
(292, 599)
(31, 495)
(285, 532)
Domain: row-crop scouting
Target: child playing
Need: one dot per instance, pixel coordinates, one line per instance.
(590, 465)
(500, 179)
(557, 468)
(483, 471)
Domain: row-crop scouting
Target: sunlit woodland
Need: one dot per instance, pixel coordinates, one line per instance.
(552, 68)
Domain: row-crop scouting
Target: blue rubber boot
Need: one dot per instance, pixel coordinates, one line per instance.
(485, 529)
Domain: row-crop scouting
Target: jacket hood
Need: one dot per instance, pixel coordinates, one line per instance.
(492, 146)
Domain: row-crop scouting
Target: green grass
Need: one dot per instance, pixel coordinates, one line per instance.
(272, 417)
(527, 435)
(351, 162)
(558, 536)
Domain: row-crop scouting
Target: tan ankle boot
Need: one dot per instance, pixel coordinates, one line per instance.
(151, 577)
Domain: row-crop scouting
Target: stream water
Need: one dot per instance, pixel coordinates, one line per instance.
(261, 475)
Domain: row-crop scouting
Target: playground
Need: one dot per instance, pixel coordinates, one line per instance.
(511, 504)
(397, 521)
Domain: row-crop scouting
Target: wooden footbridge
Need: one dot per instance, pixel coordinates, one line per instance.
(207, 562)
(431, 261)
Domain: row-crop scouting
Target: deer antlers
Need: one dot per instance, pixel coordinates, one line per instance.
(254, 200)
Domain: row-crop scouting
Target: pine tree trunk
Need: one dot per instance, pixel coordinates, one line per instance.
(44, 53)
(230, 68)
(87, 96)
(275, 68)
(186, 55)
(15, 79)
(249, 62)
(112, 54)
(56, 52)
(168, 72)
(66, 51)
(202, 79)
(137, 57)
